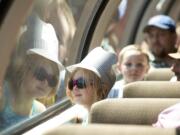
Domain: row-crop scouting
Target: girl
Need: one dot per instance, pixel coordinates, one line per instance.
(133, 64)
(91, 80)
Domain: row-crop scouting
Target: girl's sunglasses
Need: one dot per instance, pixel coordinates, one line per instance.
(41, 74)
(80, 83)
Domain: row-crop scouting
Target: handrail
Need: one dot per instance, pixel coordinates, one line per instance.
(36, 120)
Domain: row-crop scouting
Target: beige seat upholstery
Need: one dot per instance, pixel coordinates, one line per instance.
(152, 89)
(159, 74)
(101, 129)
(143, 111)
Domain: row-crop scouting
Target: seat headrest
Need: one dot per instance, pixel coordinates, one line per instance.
(129, 110)
(152, 89)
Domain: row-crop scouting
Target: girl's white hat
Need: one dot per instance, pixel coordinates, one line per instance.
(100, 62)
(40, 38)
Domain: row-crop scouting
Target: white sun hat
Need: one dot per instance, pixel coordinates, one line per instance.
(175, 55)
(100, 62)
(40, 38)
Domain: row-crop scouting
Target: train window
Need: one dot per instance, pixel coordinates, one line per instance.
(121, 31)
(31, 79)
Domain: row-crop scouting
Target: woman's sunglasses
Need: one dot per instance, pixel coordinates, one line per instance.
(80, 83)
(41, 74)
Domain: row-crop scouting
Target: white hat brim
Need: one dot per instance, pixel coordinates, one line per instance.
(80, 65)
(45, 54)
(175, 55)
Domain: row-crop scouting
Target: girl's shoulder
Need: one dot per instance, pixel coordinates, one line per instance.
(38, 107)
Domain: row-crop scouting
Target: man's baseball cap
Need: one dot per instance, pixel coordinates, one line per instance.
(161, 21)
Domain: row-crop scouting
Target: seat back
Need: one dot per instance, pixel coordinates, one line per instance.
(104, 129)
(152, 89)
(159, 74)
(143, 111)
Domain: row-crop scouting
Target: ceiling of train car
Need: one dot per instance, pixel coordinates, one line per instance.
(133, 15)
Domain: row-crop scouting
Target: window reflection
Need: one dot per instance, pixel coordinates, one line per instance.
(32, 79)
(33, 72)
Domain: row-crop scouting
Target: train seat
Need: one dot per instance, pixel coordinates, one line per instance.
(152, 89)
(159, 74)
(106, 129)
(139, 111)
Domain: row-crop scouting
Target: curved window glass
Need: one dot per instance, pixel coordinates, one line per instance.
(32, 80)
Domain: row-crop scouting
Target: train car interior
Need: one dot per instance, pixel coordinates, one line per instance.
(77, 27)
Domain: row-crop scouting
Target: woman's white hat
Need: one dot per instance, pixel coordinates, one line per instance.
(40, 38)
(100, 62)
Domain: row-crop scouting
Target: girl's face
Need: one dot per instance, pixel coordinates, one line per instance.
(41, 79)
(134, 66)
(83, 95)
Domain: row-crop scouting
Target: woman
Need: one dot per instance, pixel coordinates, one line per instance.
(32, 73)
(91, 80)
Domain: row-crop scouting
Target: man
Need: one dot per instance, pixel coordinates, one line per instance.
(160, 35)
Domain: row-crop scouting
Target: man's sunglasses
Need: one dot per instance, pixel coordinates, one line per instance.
(80, 83)
(41, 74)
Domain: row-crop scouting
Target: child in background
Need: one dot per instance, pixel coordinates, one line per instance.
(133, 64)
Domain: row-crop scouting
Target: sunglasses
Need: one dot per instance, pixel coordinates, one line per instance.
(80, 83)
(41, 75)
